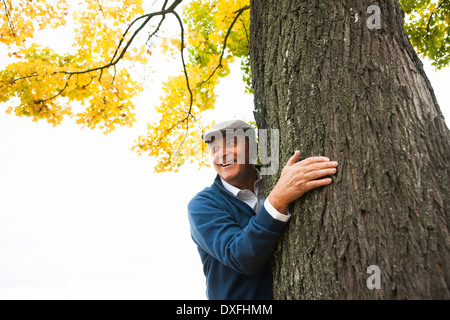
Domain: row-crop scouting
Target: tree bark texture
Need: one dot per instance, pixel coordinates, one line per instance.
(359, 95)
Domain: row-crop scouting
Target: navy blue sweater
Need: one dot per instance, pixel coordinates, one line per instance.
(235, 244)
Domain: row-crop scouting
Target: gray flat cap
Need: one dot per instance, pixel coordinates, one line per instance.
(227, 125)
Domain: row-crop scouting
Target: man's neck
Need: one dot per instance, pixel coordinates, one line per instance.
(247, 181)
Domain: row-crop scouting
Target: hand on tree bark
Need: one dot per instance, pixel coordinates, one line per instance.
(297, 178)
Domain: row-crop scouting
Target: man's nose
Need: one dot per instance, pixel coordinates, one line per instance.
(222, 156)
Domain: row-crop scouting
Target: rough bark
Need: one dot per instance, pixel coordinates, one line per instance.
(360, 96)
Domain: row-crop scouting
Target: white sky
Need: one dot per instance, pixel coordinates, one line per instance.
(83, 217)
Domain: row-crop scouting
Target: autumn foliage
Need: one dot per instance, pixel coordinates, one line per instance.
(111, 36)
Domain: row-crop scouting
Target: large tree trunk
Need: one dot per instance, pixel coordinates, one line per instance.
(359, 95)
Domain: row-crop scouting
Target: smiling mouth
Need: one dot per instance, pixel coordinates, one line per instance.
(227, 164)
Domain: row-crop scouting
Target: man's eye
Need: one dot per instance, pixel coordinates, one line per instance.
(230, 143)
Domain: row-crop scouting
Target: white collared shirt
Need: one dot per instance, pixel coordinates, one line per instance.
(257, 199)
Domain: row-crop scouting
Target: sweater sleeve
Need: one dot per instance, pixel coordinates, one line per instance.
(245, 250)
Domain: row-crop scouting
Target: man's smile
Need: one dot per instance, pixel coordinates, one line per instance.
(227, 164)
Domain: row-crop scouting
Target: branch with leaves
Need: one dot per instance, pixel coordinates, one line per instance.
(428, 27)
(111, 36)
(224, 45)
(42, 83)
(214, 42)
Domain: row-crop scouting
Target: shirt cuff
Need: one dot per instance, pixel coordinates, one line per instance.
(275, 213)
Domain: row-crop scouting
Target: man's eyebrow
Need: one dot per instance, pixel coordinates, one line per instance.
(213, 144)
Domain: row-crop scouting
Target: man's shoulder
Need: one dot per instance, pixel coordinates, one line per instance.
(206, 193)
(211, 196)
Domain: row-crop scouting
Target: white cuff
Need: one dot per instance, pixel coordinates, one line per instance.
(274, 212)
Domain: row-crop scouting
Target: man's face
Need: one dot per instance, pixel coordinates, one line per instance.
(231, 157)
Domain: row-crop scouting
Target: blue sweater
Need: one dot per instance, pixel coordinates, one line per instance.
(235, 244)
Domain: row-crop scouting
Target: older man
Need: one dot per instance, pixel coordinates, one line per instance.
(234, 227)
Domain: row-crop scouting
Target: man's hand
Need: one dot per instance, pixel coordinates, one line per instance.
(297, 178)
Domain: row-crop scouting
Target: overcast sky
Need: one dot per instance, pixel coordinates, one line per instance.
(83, 217)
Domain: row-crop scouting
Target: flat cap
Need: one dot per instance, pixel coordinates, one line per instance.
(227, 125)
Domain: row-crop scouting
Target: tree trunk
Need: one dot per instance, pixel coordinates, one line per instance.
(337, 84)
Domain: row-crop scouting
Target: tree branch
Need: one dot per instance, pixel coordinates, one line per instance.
(113, 60)
(156, 30)
(8, 15)
(431, 17)
(58, 94)
(239, 12)
(191, 96)
(124, 50)
(183, 62)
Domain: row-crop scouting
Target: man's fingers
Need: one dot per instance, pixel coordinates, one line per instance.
(316, 174)
(319, 166)
(317, 183)
(294, 158)
(312, 160)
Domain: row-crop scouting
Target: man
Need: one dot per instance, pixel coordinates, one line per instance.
(234, 227)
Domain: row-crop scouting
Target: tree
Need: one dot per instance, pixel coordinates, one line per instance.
(341, 79)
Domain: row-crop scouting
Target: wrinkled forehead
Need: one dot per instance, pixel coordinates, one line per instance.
(220, 138)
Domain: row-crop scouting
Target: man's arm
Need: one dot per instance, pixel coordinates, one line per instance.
(246, 249)
(297, 178)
